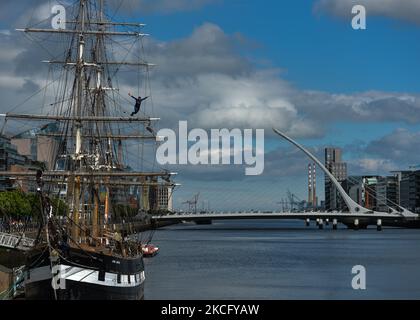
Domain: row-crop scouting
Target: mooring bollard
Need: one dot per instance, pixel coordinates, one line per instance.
(379, 225)
(356, 224)
(335, 224)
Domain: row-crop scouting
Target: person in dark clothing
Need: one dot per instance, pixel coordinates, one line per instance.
(137, 106)
(64, 245)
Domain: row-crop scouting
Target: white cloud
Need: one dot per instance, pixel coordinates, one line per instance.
(394, 151)
(370, 106)
(400, 145)
(373, 166)
(207, 50)
(8, 82)
(204, 78)
(253, 101)
(407, 10)
(5, 32)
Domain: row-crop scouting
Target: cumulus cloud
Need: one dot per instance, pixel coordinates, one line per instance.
(19, 14)
(370, 106)
(207, 50)
(372, 166)
(205, 78)
(394, 151)
(400, 146)
(407, 10)
(13, 87)
(219, 101)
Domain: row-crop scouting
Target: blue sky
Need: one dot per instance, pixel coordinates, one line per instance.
(315, 51)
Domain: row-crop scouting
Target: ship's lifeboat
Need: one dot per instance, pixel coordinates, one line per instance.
(149, 250)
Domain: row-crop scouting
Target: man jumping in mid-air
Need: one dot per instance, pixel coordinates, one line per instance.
(137, 106)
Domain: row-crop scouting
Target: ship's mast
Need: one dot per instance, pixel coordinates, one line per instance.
(106, 206)
(78, 124)
(91, 162)
(98, 56)
(95, 191)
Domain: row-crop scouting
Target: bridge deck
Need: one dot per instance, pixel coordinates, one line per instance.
(285, 216)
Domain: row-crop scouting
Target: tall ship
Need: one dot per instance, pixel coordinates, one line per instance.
(90, 204)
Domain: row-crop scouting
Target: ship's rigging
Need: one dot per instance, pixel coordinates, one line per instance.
(92, 125)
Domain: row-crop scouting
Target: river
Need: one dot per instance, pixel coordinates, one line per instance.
(281, 260)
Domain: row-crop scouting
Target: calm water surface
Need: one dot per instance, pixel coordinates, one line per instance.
(281, 260)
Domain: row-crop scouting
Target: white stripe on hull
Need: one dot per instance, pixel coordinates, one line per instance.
(86, 276)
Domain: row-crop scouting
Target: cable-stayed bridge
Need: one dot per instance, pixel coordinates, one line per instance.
(357, 216)
(354, 221)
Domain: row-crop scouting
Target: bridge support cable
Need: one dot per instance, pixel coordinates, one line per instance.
(386, 201)
(352, 205)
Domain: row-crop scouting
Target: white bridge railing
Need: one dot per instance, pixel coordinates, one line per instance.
(13, 241)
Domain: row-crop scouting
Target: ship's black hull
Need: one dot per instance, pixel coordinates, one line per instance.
(84, 277)
(42, 290)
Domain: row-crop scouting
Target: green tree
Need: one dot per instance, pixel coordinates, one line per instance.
(14, 204)
(60, 208)
(17, 204)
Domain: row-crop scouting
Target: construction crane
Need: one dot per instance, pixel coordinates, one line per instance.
(291, 203)
(284, 205)
(192, 204)
(293, 199)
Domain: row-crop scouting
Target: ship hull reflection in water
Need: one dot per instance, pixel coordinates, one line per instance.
(84, 276)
